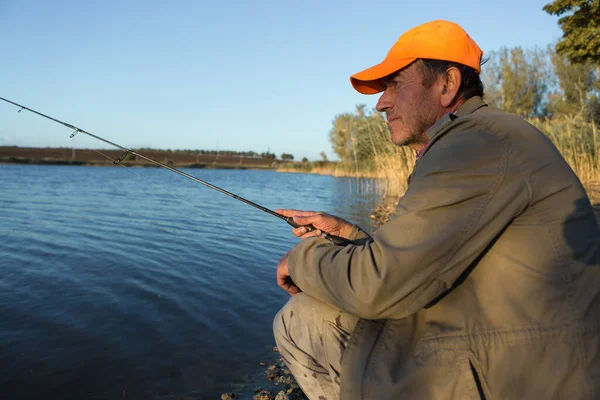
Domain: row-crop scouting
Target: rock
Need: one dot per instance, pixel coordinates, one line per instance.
(263, 395)
(229, 396)
(282, 396)
(273, 372)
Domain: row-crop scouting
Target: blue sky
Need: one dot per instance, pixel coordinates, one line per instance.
(233, 75)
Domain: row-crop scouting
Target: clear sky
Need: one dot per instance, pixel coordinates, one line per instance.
(230, 75)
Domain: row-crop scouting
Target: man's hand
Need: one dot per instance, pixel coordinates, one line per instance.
(284, 280)
(321, 221)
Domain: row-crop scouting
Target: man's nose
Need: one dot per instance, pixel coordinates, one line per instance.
(384, 102)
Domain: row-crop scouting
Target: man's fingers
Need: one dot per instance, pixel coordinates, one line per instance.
(288, 285)
(299, 231)
(312, 219)
(293, 289)
(293, 213)
(322, 222)
(303, 233)
(306, 218)
(316, 232)
(283, 281)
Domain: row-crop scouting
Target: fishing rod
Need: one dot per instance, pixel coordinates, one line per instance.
(290, 220)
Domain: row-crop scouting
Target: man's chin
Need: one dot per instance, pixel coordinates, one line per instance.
(402, 140)
(405, 139)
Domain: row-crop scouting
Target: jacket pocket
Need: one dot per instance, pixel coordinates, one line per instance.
(477, 381)
(459, 380)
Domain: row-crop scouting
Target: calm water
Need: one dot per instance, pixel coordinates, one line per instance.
(118, 283)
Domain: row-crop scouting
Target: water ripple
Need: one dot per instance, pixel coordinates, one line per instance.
(111, 279)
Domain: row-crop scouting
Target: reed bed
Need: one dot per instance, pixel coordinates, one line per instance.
(578, 142)
(390, 165)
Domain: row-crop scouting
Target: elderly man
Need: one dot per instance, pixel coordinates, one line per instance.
(484, 284)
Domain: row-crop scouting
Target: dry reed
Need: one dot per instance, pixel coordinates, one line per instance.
(390, 165)
(578, 142)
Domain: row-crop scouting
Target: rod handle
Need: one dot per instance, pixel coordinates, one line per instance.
(340, 241)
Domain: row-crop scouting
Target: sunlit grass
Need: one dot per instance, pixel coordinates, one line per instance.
(578, 142)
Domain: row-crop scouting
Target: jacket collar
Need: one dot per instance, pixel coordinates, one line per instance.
(468, 107)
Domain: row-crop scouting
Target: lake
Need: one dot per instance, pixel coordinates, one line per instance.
(138, 283)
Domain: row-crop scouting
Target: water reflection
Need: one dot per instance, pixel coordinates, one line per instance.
(356, 200)
(350, 198)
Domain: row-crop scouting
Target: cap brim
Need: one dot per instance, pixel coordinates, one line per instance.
(369, 80)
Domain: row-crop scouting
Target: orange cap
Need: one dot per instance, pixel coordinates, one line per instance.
(437, 40)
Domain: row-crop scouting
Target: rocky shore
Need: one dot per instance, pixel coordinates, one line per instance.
(278, 384)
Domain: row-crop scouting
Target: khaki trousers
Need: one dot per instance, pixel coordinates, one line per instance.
(311, 337)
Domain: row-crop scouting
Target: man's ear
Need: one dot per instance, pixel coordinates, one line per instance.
(451, 86)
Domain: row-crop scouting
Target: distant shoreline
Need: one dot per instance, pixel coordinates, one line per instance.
(103, 157)
(108, 163)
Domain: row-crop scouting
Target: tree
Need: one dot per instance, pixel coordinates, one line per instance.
(352, 134)
(268, 155)
(286, 156)
(516, 80)
(577, 94)
(340, 135)
(580, 23)
(362, 140)
(304, 159)
(324, 156)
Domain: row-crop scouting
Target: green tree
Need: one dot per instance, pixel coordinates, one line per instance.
(340, 136)
(580, 23)
(268, 155)
(516, 81)
(360, 139)
(352, 134)
(577, 93)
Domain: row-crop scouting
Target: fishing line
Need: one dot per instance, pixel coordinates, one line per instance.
(117, 161)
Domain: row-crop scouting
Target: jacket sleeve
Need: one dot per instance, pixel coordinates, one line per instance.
(463, 194)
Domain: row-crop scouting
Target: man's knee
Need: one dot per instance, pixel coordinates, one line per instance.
(285, 317)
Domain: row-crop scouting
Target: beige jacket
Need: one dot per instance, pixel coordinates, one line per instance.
(485, 284)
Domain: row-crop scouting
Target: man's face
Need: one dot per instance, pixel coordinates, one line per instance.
(410, 107)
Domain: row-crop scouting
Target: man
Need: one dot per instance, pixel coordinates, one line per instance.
(484, 284)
